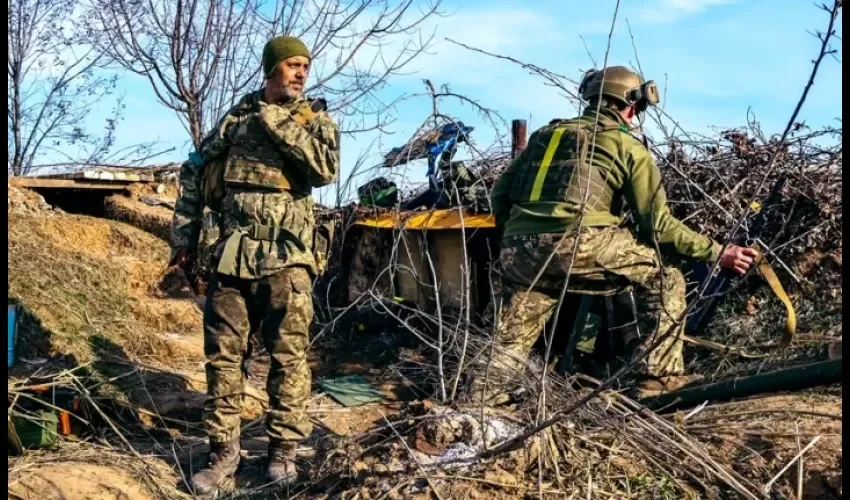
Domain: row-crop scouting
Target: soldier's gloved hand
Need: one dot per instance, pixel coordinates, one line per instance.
(308, 111)
(738, 259)
(304, 114)
(184, 259)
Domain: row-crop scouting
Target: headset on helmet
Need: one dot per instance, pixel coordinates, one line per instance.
(621, 84)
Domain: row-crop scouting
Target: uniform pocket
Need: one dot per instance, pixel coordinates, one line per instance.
(617, 251)
(299, 281)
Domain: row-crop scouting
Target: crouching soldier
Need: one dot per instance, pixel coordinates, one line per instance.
(594, 163)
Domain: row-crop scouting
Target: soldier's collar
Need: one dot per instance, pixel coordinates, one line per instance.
(606, 115)
(259, 97)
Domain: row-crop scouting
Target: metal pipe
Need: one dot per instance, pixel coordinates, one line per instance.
(519, 137)
(790, 379)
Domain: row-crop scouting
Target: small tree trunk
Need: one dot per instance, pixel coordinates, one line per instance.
(196, 128)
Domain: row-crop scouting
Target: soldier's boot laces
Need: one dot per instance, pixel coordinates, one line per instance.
(282, 467)
(222, 464)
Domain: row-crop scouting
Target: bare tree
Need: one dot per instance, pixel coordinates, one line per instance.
(198, 55)
(201, 55)
(359, 45)
(53, 84)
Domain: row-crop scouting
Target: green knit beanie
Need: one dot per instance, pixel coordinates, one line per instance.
(280, 49)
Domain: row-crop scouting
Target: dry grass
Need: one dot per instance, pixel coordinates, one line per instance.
(92, 471)
(154, 220)
(87, 470)
(81, 278)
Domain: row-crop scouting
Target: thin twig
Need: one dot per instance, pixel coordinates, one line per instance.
(798, 456)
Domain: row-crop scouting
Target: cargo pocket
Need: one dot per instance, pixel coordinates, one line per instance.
(619, 253)
(300, 302)
(299, 281)
(322, 242)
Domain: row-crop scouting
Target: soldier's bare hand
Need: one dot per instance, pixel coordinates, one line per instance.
(738, 259)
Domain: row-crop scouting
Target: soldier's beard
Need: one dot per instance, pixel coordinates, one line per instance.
(291, 91)
(281, 94)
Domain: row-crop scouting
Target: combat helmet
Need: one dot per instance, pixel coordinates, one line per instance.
(620, 84)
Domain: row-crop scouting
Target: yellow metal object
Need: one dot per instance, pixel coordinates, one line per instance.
(437, 219)
(755, 206)
(547, 162)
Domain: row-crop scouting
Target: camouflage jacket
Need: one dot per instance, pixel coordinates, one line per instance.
(263, 231)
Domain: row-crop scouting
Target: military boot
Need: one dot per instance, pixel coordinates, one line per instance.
(282, 469)
(222, 464)
(656, 386)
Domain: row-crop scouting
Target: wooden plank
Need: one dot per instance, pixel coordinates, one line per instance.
(412, 274)
(31, 183)
(446, 248)
(112, 174)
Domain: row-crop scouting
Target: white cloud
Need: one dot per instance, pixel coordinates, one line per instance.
(670, 11)
(500, 30)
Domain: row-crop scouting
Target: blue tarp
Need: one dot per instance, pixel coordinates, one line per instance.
(430, 145)
(12, 334)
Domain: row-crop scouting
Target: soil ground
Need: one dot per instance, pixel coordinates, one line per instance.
(91, 293)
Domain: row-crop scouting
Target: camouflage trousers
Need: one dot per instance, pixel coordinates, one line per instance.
(606, 261)
(280, 308)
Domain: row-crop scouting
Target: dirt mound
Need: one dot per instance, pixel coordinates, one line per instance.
(86, 471)
(86, 287)
(25, 202)
(155, 219)
(768, 428)
(91, 292)
(78, 481)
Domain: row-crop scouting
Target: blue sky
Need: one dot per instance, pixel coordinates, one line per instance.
(714, 59)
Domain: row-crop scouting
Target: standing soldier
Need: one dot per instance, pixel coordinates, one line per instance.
(581, 172)
(264, 158)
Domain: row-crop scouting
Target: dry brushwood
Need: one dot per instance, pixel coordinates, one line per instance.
(803, 228)
(565, 435)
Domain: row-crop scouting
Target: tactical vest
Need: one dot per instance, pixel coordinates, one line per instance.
(212, 184)
(255, 160)
(559, 168)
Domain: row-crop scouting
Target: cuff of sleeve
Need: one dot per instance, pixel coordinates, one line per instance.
(272, 116)
(716, 250)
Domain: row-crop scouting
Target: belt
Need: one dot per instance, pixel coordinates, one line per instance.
(230, 257)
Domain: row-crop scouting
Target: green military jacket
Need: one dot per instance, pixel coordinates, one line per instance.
(272, 165)
(598, 164)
